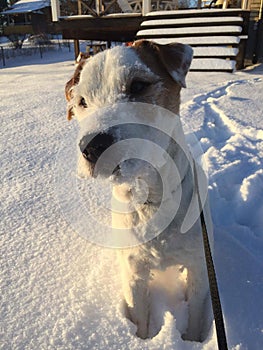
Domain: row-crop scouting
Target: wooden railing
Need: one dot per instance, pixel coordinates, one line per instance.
(98, 8)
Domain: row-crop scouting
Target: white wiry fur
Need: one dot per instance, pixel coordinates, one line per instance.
(103, 84)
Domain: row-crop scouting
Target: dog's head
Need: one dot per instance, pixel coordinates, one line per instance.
(145, 72)
(101, 94)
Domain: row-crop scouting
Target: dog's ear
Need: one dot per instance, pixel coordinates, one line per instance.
(70, 84)
(83, 56)
(175, 57)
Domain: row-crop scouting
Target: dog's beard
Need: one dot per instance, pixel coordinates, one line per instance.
(85, 169)
(138, 181)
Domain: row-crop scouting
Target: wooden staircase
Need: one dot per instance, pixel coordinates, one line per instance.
(217, 36)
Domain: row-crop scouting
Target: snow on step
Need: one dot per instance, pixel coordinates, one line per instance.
(190, 30)
(215, 37)
(210, 40)
(213, 51)
(213, 64)
(181, 13)
(193, 20)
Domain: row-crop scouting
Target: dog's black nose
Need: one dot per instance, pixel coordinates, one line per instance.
(93, 147)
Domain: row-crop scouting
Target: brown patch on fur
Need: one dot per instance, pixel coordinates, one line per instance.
(174, 57)
(83, 56)
(171, 63)
(69, 85)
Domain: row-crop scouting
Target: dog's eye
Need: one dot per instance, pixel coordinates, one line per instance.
(138, 86)
(83, 103)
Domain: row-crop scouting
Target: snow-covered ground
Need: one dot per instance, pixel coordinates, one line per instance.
(59, 291)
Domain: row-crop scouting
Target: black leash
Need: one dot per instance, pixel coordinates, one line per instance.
(216, 304)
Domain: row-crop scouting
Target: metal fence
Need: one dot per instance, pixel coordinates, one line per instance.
(7, 52)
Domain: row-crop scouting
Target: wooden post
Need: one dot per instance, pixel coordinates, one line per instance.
(98, 7)
(260, 10)
(76, 48)
(246, 4)
(79, 8)
(146, 6)
(3, 55)
(55, 9)
(225, 4)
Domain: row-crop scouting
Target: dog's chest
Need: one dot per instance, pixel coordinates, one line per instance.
(172, 247)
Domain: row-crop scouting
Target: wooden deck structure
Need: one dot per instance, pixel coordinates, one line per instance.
(109, 28)
(218, 35)
(98, 20)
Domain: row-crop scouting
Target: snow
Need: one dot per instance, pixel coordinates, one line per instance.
(190, 30)
(124, 5)
(217, 40)
(194, 20)
(223, 38)
(202, 12)
(59, 291)
(213, 64)
(110, 15)
(24, 6)
(207, 51)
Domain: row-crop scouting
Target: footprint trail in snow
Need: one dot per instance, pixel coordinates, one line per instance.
(233, 156)
(233, 153)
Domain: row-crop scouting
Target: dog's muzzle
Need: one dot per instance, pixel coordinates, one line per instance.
(93, 147)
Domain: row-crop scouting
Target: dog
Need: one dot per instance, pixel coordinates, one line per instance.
(102, 95)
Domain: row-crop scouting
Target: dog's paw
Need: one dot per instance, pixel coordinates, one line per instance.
(142, 325)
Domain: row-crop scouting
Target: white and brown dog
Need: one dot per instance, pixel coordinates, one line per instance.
(105, 90)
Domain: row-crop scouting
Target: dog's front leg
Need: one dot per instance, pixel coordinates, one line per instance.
(200, 313)
(135, 278)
